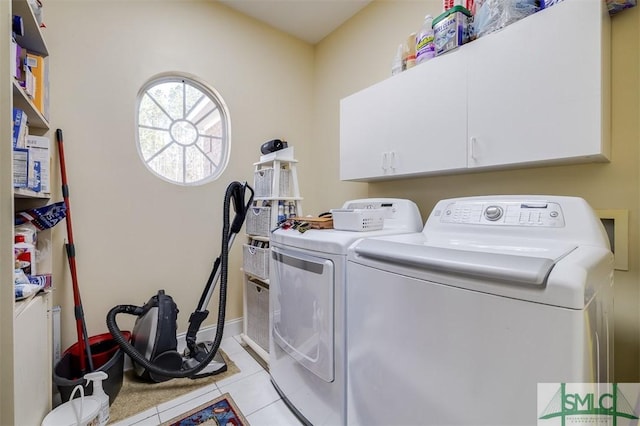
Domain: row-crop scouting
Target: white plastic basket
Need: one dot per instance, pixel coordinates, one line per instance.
(259, 221)
(255, 261)
(358, 219)
(257, 313)
(263, 183)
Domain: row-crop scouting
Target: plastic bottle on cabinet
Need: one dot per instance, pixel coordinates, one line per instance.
(396, 65)
(25, 255)
(411, 51)
(425, 46)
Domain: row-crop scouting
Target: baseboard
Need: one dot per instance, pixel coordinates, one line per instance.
(231, 328)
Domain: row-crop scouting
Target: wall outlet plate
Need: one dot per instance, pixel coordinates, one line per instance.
(616, 223)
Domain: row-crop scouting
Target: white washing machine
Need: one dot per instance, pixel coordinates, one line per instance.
(307, 354)
(457, 325)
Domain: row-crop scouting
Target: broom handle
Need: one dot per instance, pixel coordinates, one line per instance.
(81, 326)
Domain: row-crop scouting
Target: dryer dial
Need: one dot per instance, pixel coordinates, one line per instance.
(493, 213)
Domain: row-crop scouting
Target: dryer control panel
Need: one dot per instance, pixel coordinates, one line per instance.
(503, 213)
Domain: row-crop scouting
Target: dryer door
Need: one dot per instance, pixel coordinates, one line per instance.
(301, 298)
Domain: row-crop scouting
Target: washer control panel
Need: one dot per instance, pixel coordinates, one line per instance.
(514, 213)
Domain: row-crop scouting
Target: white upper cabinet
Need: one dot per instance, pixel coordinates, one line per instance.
(412, 123)
(534, 93)
(537, 91)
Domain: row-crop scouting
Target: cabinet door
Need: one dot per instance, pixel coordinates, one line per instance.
(365, 133)
(410, 124)
(431, 118)
(535, 88)
(33, 361)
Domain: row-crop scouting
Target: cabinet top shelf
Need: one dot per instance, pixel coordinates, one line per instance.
(277, 198)
(21, 100)
(281, 160)
(32, 39)
(284, 156)
(27, 193)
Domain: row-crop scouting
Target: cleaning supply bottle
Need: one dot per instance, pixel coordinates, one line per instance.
(411, 51)
(425, 46)
(281, 215)
(98, 393)
(24, 254)
(396, 65)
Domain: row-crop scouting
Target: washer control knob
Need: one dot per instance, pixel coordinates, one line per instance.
(493, 213)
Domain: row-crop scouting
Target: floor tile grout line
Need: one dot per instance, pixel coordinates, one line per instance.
(156, 415)
(262, 408)
(239, 380)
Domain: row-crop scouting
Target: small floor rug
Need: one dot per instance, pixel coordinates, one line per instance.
(222, 411)
(136, 395)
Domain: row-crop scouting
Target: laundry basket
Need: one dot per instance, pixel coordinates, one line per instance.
(263, 183)
(358, 219)
(257, 296)
(255, 261)
(258, 221)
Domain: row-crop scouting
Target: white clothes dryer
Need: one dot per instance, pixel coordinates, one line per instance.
(457, 325)
(307, 285)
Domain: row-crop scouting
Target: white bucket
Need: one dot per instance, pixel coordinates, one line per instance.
(75, 412)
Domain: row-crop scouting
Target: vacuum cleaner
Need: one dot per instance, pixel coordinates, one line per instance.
(153, 346)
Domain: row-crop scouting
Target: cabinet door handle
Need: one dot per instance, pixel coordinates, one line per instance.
(385, 160)
(472, 148)
(392, 160)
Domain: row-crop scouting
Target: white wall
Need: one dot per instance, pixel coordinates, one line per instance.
(134, 233)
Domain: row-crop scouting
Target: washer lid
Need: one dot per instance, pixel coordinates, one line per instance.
(523, 264)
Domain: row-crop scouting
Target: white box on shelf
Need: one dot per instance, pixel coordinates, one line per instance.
(20, 167)
(38, 147)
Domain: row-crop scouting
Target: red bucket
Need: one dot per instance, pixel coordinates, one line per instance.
(103, 347)
(106, 355)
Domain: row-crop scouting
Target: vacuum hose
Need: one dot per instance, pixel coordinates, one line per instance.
(236, 191)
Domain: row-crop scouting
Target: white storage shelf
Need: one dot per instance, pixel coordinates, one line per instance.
(22, 101)
(29, 398)
(535, 93)
(275, 184)
(33, 364)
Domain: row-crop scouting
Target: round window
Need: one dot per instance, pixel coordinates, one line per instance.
(183, 130)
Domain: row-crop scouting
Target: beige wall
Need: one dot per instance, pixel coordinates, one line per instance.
(359, 54)
(134, 233)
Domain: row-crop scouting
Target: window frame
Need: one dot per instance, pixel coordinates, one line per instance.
(214, 96)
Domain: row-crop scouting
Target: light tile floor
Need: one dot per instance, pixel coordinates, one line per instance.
(251, 389)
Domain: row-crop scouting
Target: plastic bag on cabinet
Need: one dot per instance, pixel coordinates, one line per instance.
(492, 15)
